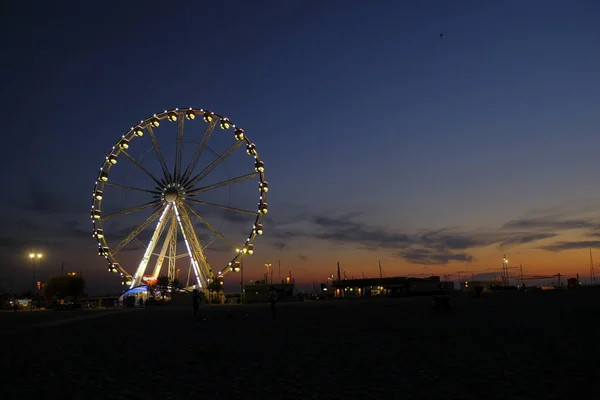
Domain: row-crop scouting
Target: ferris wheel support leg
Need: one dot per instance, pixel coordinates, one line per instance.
(162, 221)
(199, 278)
(163, 250)
(203, 266)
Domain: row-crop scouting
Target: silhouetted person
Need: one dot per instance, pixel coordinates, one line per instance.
(273, 298)
(195, 301)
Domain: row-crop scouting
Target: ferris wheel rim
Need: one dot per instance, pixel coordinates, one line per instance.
(178, 177)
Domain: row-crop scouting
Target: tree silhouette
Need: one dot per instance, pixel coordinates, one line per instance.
(162, 284)
(64, 286)
(176, 284)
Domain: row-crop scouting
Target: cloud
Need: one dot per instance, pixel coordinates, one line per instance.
(344, 230)
(44, 201)
(560, 246)
(431, 256)
(551, 223)
(524, 238)
(280, 245)
(8, 242)
(434, 247)
(549, 226)
(20, 233)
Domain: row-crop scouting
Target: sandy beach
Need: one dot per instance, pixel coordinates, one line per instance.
(505, 345)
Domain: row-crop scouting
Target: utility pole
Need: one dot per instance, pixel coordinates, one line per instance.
(279, 272)
(242, 291)
(380, 273)
(521, 274)
(592, 271)
(505, 271)
(269, 273)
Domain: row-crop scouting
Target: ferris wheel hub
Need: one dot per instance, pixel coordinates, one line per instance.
(171, 195)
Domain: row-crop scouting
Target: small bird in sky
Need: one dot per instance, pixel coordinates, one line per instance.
(441, 34)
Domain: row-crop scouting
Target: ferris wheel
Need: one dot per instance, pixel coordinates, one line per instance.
(149, 208)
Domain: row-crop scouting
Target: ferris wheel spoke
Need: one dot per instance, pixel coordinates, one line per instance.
(162, 222)
(133, 234)
(179, 146)
(215, 163)
(203, 203)
(201, 146)
(140, 166)
(209, 243)
(131, 188)
(210, 227)
(224, 183)
(161, 159)
(130, 210)
(140, 245)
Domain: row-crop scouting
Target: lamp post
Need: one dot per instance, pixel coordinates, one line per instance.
(505, 270)
(268, 267)
(34, 257)
(239, 267)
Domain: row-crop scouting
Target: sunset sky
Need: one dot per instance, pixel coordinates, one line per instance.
(382, 138)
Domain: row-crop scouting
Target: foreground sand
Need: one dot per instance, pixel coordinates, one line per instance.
(513, 345)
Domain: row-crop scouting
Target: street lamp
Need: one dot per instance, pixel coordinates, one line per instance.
(505, 270)
(34, 256)
(239, 267)
(268, 267)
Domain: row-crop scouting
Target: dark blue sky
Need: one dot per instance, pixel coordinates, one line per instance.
(364, 114)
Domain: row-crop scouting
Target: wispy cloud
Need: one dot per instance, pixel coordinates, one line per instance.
(433, 256)
(551, 223)
(435, 247)
(561, 246)
(280, 245)
(524, 238)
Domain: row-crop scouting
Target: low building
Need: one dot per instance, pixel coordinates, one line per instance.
(259, 292)
(394, 286)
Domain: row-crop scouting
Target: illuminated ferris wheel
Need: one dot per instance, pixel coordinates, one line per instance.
(149, 208)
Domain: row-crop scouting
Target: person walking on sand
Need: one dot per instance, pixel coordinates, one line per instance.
(195, 301)
(273, 298)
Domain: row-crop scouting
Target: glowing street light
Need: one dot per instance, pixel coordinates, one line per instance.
(505, 270)
(34, 256)
(239, 267)
(268, 267)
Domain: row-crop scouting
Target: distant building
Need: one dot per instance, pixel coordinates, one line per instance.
(394, 286)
